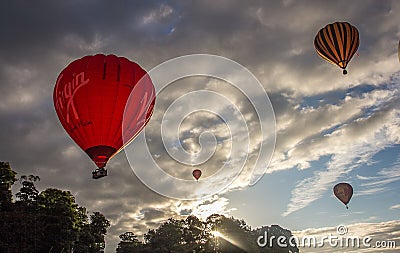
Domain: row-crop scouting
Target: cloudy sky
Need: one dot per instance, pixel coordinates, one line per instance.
(329, 127)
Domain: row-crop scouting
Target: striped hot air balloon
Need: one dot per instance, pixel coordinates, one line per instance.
(337, 43)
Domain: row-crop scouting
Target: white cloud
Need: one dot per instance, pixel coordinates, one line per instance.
(379, 183)
(158, 14)
(395, 207)
(350, 145)
(213, 205)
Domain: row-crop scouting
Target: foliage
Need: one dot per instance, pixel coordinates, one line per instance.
(51, 221)
(47, 221)
(7, 179)
(217, 234)
(130, 243)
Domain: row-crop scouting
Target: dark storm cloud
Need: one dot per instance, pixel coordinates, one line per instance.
(40, 26)
(37, 42)
(151, 213)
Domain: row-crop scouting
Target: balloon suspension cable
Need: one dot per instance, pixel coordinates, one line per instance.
(347, 207)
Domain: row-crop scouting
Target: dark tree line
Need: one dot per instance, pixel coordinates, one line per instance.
(217, 234)
(47, 221)
(50, 221)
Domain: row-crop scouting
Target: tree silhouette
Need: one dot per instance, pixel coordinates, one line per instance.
(47, 221)
(167, 238)
(7, 179)
(98, 228)
(28, 192)
(194, 234)
(51, 221)
(129, 243)
(217, 234)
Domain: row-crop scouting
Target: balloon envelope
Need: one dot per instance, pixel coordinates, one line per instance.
(90, 97)
(344, 192)
(196, 174)
(337, 43)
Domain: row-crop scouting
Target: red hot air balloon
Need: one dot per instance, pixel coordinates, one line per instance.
(343, 191)
(196, 174)
(90, 97)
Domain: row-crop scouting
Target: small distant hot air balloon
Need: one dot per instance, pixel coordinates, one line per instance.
(343, 191)
(90, 98)
(196, 174)
(337, 43)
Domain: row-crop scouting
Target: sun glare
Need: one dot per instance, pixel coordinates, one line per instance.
(217, 234)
